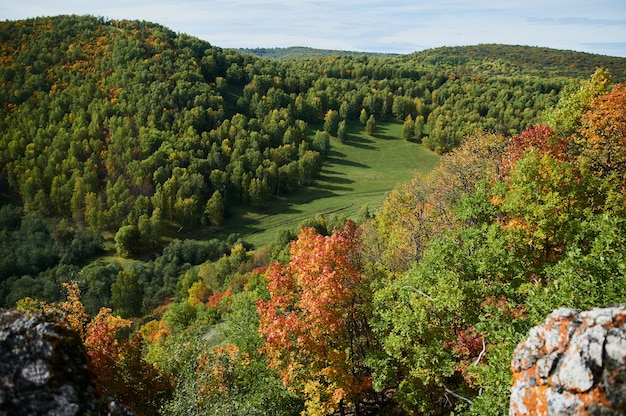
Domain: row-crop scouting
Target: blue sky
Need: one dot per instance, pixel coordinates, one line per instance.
(400, 26)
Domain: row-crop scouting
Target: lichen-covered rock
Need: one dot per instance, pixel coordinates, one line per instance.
(572, 364)
(43, 368)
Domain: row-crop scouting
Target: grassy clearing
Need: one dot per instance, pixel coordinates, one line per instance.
(359, 172)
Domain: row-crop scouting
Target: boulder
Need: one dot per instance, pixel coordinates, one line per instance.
(44, 371)
(572, 364)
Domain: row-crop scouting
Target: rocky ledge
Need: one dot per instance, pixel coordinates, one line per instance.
(572, 364)
(44, 371)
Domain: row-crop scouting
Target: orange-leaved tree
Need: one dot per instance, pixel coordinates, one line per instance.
(603, 132)
(120, 368)
(541, 138)
(314, 323)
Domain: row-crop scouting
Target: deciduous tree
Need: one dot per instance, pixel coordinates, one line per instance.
(342, 130)
(128, 241)
(370, 125)
(564, 118)
(127, 294)
(331, 121)
(214, 209)
(603, 130)
(314, 324)
(121, 371)
(408, 128)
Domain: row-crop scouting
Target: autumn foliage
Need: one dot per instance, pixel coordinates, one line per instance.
(115, 360)
(314, 323)
(71, 309)
(603, 133)
(539, 137)
(120, 368)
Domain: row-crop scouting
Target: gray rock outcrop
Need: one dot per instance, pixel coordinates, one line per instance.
(43, 369)
(572, 364)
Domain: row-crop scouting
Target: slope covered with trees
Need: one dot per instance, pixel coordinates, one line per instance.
(418, 310)
(510, 59)
(118, 134)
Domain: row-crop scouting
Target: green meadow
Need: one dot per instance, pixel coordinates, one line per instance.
(358, 172)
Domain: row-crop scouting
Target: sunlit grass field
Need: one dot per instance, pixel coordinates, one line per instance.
(360, 171)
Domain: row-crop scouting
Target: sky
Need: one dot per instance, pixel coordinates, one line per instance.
(394, 26)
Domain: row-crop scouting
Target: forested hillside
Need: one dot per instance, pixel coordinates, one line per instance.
(117, 137)
(510, 60)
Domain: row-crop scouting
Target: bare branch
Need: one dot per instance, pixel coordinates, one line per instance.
(481, 353)
(458, 396)
(416, 291)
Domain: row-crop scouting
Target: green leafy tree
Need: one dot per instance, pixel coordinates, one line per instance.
(77, 201)
(419, 127)
(225, 380)
(363, 117)
(564, 118)
(331, 122)
(309, 166)
(342, 130)
(400, 108)
(150, 228)
(214, 209)
(94, 211)
(408, 128)
(98, 277)
(321, 142)
(259, 193)
(127, 294)
(370, 126)
(128, 241)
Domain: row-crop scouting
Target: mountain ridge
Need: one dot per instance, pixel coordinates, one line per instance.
(552, 61)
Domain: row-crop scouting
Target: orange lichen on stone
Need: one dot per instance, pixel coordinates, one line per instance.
(534, 401)
(572, 364)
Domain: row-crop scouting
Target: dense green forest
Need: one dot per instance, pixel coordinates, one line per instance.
(118, 137)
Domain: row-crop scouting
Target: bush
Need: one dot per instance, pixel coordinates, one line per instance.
(128, 241)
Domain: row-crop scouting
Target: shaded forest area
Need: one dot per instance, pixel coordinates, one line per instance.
(116, 135)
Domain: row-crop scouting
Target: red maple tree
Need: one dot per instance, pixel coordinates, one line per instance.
(314, 323)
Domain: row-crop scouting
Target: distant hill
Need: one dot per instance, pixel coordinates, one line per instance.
(302, 52)
(482, 59)
(514, 59)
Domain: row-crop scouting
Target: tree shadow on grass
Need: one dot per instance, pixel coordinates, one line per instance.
(332, 187)
(385, 137)
(360, 142)
(383, 133)
(243, 223)
(346, 162)
(333, 177)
